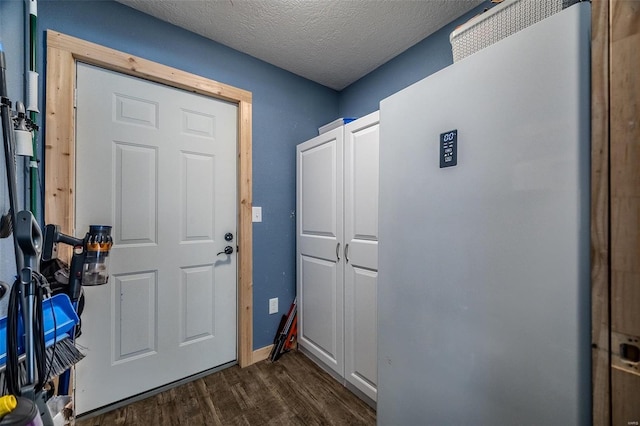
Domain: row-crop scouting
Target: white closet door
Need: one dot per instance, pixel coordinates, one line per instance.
(319, 237)
(361, 252)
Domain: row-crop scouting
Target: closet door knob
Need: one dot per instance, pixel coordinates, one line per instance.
(338, 252)
(346, 252)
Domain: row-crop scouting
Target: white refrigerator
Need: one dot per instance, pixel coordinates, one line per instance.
(484, 271)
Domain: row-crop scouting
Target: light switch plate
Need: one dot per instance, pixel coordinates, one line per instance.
(256, 214)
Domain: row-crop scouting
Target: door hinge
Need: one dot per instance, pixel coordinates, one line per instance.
(75, 97)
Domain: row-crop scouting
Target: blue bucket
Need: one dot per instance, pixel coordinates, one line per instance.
(58, 316)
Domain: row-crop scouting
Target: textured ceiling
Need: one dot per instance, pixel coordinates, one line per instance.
(332, 42)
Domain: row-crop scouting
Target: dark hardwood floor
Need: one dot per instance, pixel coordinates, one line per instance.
(290, 391)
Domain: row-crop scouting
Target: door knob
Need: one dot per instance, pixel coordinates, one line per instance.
(227, 250)
(228, 236)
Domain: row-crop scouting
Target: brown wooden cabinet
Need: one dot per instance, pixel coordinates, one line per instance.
(616, 212)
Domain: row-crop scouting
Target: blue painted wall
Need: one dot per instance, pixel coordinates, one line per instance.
(419, 61)
(287, 110)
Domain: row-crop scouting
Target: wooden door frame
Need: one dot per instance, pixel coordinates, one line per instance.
(63, 52)
(600, 220)
(614, 227)
(600, 223)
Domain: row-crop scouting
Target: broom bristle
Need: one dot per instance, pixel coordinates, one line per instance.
(62, 356)
(59, 358)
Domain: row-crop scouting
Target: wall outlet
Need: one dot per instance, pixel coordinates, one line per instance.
(256, 214)
(273, 306)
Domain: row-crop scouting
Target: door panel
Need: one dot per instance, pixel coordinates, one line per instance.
(135, 316)
(361, 252)
(198, 195)
(136, 194)
(196, 298)
(320, 275)
(319, 306)
(363, 362)
(159, 164)
(320, 216)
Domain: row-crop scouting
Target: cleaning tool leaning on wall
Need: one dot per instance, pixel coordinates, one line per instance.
(36, 336)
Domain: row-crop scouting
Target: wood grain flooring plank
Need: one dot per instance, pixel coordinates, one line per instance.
(289, 392)
(295, 395)
(269, 403)
(206, 403)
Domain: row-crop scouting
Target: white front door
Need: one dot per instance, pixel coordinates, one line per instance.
(159, 165)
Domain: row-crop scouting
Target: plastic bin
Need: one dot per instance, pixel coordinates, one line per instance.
(334, 124)
(501, 21)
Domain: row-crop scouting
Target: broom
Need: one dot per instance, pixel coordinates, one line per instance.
(59, 319)
(60, 356)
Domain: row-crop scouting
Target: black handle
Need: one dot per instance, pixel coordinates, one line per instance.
(227, 250)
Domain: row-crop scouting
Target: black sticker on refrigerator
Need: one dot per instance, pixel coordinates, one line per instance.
(449, 148)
